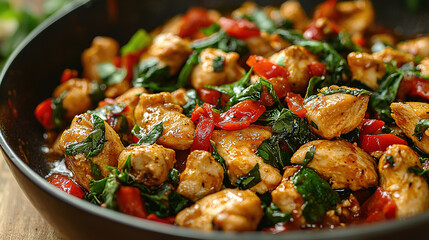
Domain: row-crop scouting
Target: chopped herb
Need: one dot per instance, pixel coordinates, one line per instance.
(221, 161)
(110, 74)
(58, 110)
(174, 177)
(214, 28)
(352, 136)
(420, 128)
(150, 74)
(249, 180)
(138, 41)
(184, 74)
(218, 63)
(106, 110)
(96, 92)
(418, 170)
(313, 124)
(221, 40)
(109, 192)
(386, 129)
(234, 88)
(389, 159)
(263, 22)
(95, 169)
(164, 202)
(313, 86)
(309, 155)
(272, 154)
(151, 137)
(318, 195)
(93, 143)
(193, 100)
(252, 92)
(354, 92)
(273, 215)
(343, 43)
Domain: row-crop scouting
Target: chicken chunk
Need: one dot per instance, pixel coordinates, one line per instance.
(180, 96)
(227, 210)
(424, 67)
(178, 130)
(341, 163)
(356, 16)
(204, 73)
(366, 69)
(247, 8)
(79, 164)
(238, 149)
(115, 90)
(150, 163)
(418, 46)
(131, 97)
(77, 98)
(295, 60)
(170, 50)
(292, 10)
(203, 175)
(407, 115)
(409, 190)
(389, 54)
(260, 45)
(103, 49)
(287, 198)
(335, 114)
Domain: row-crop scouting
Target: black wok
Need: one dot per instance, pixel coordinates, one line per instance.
(34, 69)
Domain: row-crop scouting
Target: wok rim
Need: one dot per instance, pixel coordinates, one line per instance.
(354, 231)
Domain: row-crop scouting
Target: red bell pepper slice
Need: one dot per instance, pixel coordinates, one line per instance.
(379, 142)
(209, 95)
(130, 202)
(203, 134)
(68, 74)
(370, 126)
(415, 86)
(166, 220)
(239, 28)
(380, 206)
(296, 104)
(44, 114)
(313, 32)
(194, 19)
(316, 69)
(277, 75)
(240, 115)
(65, 184)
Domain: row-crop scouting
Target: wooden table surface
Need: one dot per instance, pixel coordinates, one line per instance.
(18, 218)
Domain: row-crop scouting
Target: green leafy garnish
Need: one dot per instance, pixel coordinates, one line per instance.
(174, 177)
(389, 159)
(150, 74)
(221, 40)
(110, 74)
(93, 144)
(272, 154)
(420, 128)
(109, 192)
(164, 201)
(343, 43)
(104, 111)
(151, 137)
(222, 162)
(263, 22)
(313, 124)
(58, 110)
(354, 92)
(96, 92)
(184, 74)
(218, 63)
(193, 100)
(318, 195)
(418, 170)
(95, 169)
(313, 86)
(309, 155)
(214, 28)
(249, 180)
(138, 41)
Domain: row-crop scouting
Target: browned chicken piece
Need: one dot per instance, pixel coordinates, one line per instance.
(407, 115)
(292, 10)
(332, 115)
(418, 46)
(247, 8)
(356, 16)
(389, 54)
(238, 149)
(295, 60)
(424, 67)
(170, 50)
(204, 72)
(150, 163)
(409, 190)
(117, 89)
(102, 50)
(79, 164)
(178, 130)
(366, 69)
(287, 198)
(203, 175)
(227, 210)
(131, 97)
(180, 96)
(77, 99)
(341, 163)
(260, 45)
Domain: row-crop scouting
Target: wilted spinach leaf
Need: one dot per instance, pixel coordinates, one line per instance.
(193, 100)
(58, 110)
(249, 180)
(153, 76)
(184, 74)
(420, 128)
(221, 40)
(138, 41)
(151, 137)
(110, 74)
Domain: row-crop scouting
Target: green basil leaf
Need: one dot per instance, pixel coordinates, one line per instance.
(96, 92)
(234, 88)
(389, 159)
(252, 92)
(110, 74)
(418, 170)
(214, 28)
(273, 215)
(270, 151)
(249, 180)
(318, 195)
(58, 110)
(313, 86)
(93, 144)
(109, 192)
(153, 76)
(95, 169)
(420, 128)
(309, 155)
(176, 202)
(354, 92)
(221, 40)
(262, 21)
(193, 100)
(174, 177)
(184, 74)
(343, 43)
(151, 137)
(138, 41)
(218, 63)
(222, 162)
(379, 46)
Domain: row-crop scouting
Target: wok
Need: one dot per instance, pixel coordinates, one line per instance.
(34, 69)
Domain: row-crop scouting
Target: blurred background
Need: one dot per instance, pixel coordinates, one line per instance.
(19, 17)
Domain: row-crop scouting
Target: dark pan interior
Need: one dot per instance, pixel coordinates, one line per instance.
(35, 69)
